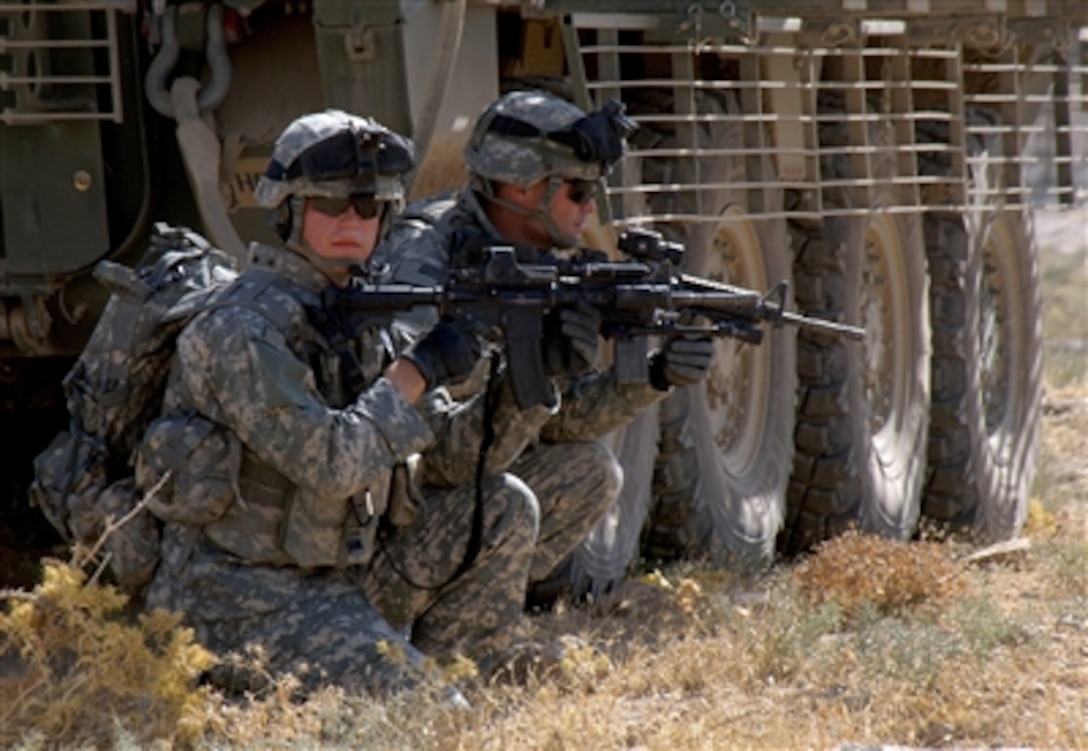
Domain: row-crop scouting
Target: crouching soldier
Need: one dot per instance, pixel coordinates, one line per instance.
(284, 434)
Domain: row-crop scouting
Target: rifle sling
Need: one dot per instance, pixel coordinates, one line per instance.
(476, 534)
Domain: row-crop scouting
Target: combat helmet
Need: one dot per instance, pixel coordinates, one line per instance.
(333, 154)
(527, 136)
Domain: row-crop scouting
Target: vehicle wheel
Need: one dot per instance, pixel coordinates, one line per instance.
(706, 470)
(862, 416)
(677, 527)
(726, 444)
(987, 352)
(727, 447)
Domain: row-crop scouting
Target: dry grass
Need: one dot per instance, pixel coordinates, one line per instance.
(74, 667)
(861, 574)
(932, 652)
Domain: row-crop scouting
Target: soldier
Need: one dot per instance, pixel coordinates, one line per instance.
(534, 163)
(287, 438)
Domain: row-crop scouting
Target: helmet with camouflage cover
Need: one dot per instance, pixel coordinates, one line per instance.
(528, 136)
(333, 154)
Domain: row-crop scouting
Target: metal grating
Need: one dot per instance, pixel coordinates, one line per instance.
(60, 62)
(907, 126)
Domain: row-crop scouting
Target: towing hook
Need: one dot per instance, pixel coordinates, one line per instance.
(210, 94)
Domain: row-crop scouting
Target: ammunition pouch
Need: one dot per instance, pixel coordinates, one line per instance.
(68, 478)
(72, 488)
(133, 547)
(250, 529)
(189, 467)
(203, 476)
(280, 524)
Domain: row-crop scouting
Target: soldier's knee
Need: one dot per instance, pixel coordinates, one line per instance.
(520, 508)
(606, 469)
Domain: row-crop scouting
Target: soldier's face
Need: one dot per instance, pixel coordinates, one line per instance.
(569, 209)
(346, 237)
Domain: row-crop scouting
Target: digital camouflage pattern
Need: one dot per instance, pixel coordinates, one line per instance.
(417, 252)
(376, 170)
(325, 526)
(84, 481)
(245, 365)
(524, 160)
(561, 448)
(472, 614)
(285, 566)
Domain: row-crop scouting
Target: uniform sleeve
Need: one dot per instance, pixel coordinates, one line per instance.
(241, 373)
(596, 404)
(459, 427)
(586, 410)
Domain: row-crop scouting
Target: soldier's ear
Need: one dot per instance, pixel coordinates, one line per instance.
(281, 219)
(515, 194)
(503, 190)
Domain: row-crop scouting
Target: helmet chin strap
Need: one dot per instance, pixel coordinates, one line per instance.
(542, 212)
(560, 238)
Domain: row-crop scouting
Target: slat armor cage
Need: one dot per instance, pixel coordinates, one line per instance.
(61, 61)
(907, 92)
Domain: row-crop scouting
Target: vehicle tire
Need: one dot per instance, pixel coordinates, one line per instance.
(706, 470)
(676, 527)
(726, 444)
(862, 415)
(987, 350)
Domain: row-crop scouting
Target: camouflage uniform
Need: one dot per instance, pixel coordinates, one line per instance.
(281, 566)
(574, 476)
(282, 508)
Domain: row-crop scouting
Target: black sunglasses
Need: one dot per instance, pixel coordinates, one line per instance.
(364, 204)
(581, 191)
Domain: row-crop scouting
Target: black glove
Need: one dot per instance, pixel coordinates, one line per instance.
(446, 354)
(571, 341)
(682, 361)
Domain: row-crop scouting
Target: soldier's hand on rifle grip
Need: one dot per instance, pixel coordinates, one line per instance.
(682, 361)
(446, 354)
(571, 340)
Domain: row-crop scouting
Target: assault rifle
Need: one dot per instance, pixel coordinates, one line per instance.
(507, 300)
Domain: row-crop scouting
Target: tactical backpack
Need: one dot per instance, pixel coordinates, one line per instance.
(84, 481)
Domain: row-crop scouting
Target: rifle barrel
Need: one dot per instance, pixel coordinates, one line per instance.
(834, 327)
(770, 310)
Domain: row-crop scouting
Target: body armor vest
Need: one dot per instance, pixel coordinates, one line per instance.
(276, 522)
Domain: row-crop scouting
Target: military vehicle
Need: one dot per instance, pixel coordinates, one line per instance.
(880, 156)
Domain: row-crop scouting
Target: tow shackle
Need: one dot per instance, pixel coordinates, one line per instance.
(209, 95)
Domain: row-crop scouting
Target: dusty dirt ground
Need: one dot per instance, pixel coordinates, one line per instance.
(1062, 238)
(1062, 480)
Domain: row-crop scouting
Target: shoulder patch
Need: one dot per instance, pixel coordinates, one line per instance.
(282, 377)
